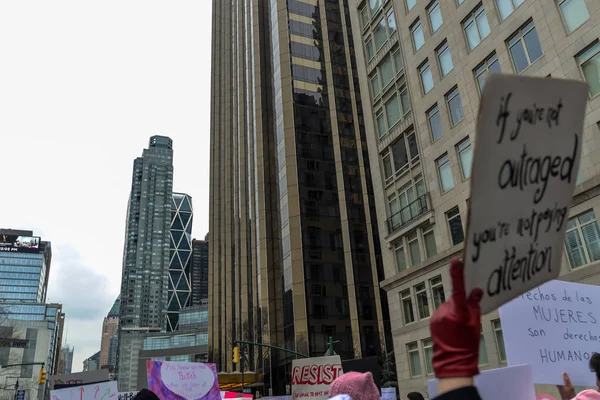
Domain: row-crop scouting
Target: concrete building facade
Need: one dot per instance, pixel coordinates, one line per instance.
(294, 248)
(422, 66)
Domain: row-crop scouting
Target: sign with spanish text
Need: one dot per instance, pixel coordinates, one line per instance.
(525, 166)
(312, 377)
(97, 391)
(556, 329)
(514, 383)
(183, 380)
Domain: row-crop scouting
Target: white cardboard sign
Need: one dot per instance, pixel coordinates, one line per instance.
(96, 391)
(312, 377)
(525, 166)
(515, 383)
(555, 328)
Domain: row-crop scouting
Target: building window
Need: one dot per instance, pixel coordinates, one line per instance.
(574, 12)
(394, 205)
(428, 352)
(392, 111)
(455, 106)
(483, 356)
(497, 326)
(391, 21)
(369, 48)
(400, 257)
(422, 301)
(445, 172)
(380, 118)
(455, 225)
(437, 291)
(426, 77)
(417, 35)
(589, 61)
(413, 248)
(414, 359)
(407, 307)
(490, 64)
(387, 71)
(465, 155)
(364, 17)
(460, 2)
(445, 59)
(506, 7)
(380, 34)
(435, 16)
(386, 159)
(405, 207)
(583, 239)
(404, 151)
(476, 27)
(525, 47)
(410, 4)
(398, 62)
(435, 123)
(429, 241)
(375, 86)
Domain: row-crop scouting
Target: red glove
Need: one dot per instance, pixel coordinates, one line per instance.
(456, 329)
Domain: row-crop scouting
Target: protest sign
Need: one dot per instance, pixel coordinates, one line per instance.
(78, 378)
(388, 393)
(499, 384)
(183, 380)
(96, 391)
(311, 377)
(555, 328)
(525, 166)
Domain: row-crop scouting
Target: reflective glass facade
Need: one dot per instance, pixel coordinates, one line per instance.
(199, 271)
(293, 237)
(180, 265)
(24, 276)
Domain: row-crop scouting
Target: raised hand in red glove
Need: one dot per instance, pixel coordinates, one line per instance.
(456, 329)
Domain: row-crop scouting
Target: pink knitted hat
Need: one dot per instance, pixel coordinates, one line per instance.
(588, 395)
(356, 385)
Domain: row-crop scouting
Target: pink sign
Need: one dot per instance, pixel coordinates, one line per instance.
(183, 381)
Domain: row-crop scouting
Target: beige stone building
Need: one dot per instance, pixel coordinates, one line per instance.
(421, 66)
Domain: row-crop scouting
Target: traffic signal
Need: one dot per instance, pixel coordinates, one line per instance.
(42, 379)
(236, 354)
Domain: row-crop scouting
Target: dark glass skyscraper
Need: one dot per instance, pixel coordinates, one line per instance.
(180, 265)
(199, 271)
(294, 247)
(145, 280)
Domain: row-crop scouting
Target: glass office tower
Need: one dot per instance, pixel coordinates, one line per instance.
(293, 237)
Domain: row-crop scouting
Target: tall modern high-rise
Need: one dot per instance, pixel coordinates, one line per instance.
(435, 57)
(294, 247)
(180, 265)
(65, 361)
(146, 256)
(110, 326)
(199, 271)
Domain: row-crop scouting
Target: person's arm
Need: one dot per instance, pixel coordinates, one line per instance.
(455, 332)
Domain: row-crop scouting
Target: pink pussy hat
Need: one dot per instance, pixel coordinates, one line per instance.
(356, 385)
(588, 395)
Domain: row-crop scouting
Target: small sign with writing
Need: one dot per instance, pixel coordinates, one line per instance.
(555, 328)
(526, 163)
(183, 380)
(127, 395)
(312, 377)
(98, 391)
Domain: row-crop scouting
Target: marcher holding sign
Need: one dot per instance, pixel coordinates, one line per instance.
(525, 166)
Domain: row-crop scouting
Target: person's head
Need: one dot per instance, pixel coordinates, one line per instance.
(595, 366)
(146, 394)
(356, 385)
(415, 396)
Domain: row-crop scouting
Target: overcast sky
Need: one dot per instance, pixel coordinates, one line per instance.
(83, 86)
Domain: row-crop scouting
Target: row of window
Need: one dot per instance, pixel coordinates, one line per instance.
(464, 151)
(427, 296)
(415, 360)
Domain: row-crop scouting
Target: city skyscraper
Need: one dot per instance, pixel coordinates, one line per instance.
(65, 362)
(180, 265)
(199, 271)
(146, 256)
(435, 57)
(293, 237)
(110, 326)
